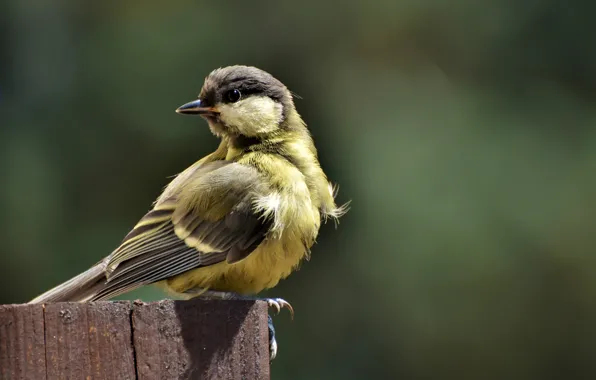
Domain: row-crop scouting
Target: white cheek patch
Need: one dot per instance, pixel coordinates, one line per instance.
(252, 116)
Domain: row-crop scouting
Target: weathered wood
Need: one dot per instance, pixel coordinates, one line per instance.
(201, 339)
(195, 339)
(22, 347)
(110, 340)
(67, 350)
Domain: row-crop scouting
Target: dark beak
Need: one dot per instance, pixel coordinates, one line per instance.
(197, 108)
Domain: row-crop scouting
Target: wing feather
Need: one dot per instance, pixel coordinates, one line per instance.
(170, 240)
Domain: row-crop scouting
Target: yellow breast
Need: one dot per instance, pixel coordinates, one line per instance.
(272, 261)
(296, 221)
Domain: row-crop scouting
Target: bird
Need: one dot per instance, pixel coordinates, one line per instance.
(237, 221)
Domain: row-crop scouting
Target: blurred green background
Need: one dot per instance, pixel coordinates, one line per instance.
(464, 133)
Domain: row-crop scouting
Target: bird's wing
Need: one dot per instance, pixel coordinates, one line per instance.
(207, 219)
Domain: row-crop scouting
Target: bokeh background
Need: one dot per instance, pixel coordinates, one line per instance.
(464, 133)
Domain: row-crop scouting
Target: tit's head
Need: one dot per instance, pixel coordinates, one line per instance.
(242, 101)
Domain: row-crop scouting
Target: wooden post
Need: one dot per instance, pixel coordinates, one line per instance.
(196, 339)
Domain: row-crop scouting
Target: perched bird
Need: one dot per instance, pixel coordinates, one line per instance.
(238, 220)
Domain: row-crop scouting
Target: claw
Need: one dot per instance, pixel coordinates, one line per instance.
(273, 350)
(279, 303)
(272, 341)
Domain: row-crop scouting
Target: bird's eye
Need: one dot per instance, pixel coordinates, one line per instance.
(233, 95)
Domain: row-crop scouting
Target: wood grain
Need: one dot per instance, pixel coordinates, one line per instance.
(111, 352)
(22, 347)
(196, 339)
(201, 339)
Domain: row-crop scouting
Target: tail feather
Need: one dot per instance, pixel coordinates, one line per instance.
(78, 289)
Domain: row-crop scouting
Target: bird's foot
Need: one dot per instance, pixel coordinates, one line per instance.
(278, 304)
(272, 340)
(275, 303)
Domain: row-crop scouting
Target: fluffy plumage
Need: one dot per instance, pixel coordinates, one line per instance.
(238, 220)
